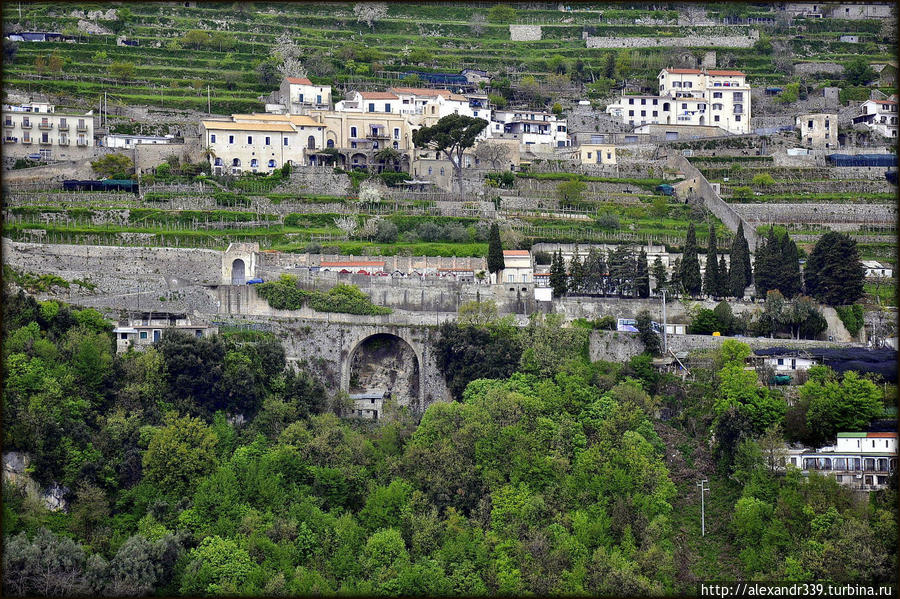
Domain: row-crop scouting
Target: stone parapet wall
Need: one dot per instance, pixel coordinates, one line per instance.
(690, 41)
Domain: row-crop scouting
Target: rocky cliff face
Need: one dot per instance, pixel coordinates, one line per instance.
(385, 363)
(15, 474)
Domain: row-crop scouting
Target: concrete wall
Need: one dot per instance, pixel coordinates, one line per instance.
(525, 33)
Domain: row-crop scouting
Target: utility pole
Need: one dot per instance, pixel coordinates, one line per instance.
(704, 488)
(208, 101)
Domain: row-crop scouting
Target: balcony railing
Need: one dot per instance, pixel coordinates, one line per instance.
(63, 127)
(46, 142)
(26, 140)
(26, 125)
(45, 126)
(82, 142)
(8, 124)
(82, 127)
(63, 141)
(377, 135)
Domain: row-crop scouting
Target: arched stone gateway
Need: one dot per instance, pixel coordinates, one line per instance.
(385, 361)
(237, 272)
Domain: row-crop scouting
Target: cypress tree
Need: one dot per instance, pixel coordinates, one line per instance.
(745, 254)
(723, 290)
(834, 274)
(659, 274)
(675, 282)
(766, 266)
(740, 264)
(495, 250)
(711, 273)
(642, 275)
(788, 268)
(576, 272)
(558, 275)
(690, 264)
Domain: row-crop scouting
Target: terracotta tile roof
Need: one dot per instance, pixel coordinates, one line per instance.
(885, 101)
(881, 435)
(299, 80)
(378, 96)
(516, 253)
(354, 263)
(683, 71)
(248, 126)
(727, 73)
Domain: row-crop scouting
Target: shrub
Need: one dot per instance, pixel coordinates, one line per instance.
(608, 220)
(852, 317)
(387, 232)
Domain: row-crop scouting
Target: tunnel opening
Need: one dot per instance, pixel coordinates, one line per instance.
(385, 364)
(237, 272)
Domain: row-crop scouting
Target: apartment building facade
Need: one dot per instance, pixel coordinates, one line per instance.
(37, 129)
(880, 116)
(716, 98)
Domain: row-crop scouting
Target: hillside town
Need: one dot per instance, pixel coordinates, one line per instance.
(416, 299)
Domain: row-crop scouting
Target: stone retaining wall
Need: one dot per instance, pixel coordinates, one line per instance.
(691, 41)
(818, 213)
(525, 33)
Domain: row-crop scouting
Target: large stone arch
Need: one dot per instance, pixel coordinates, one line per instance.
(398, 333)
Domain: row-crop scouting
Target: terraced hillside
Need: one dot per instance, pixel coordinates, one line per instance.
(229, 47)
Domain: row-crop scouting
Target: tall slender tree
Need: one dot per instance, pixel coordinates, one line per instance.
(789, 268)
(642, 275)
(675, 282)
(740, 264)
(689, 274)
(658, 270)
(558, 275)
(723, 290)
(595, 271)
(765, 266)
(711, 272)
(576, 272)
(495, 250)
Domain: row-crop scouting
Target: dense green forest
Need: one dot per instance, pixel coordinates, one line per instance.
(554, 476)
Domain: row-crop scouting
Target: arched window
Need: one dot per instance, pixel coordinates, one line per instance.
(396, 145)
(219, 162)
(442, 171)
(329, 143)
(236, 162)
(272, 164)
(352, 131)
(254, 163)
(311, 142)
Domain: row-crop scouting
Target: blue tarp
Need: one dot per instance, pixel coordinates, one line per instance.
(863, 159)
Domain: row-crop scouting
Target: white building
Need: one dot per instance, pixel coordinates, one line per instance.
(129, 141)
(862, 461)
(140, 333)
(880, 116)
(875, 269)
(436, 103)
(517, 267)
(531, 127)
(789, 363)
(38, 129)
(385, 102)
(299, 94)
(691, 97)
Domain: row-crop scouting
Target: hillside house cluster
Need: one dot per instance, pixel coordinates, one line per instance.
(307, 128)
(696, 97)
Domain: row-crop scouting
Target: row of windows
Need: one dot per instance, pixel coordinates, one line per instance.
(254, 163)
(44, 122)
(62, 140)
